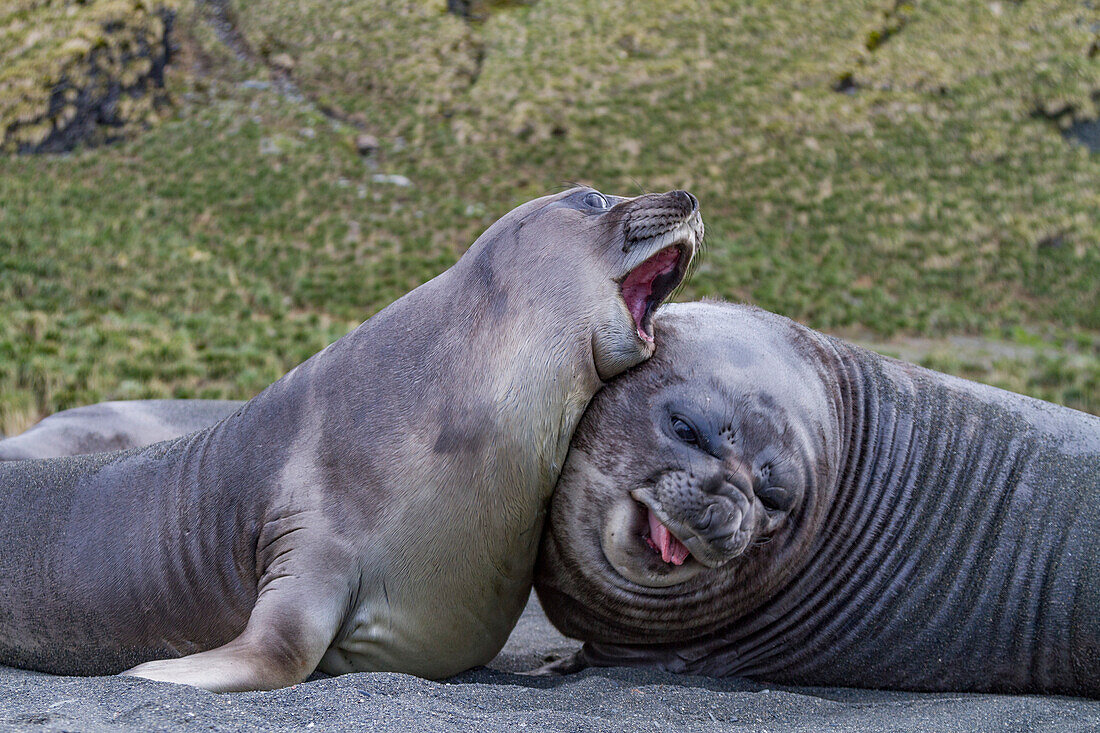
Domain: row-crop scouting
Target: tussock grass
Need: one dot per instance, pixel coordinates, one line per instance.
(934, 197)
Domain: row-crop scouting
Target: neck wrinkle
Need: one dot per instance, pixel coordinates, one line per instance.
(928, 550)
(815, 590)
(845, 572)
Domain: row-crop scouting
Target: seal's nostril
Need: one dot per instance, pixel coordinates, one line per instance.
(685, 199)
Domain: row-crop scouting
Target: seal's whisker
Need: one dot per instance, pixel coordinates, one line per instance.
(642, 191)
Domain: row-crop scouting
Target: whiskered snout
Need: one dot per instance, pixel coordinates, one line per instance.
(660, 235)
(673, 215)
(713, 517)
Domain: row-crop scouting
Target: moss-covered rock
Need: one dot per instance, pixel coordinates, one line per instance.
(1031, 55)
(75, 71)
(271, 213)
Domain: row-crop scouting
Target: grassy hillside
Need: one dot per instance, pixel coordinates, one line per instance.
(898, 173)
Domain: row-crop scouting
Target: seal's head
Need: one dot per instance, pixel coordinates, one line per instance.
(615, 258)
(690, 480)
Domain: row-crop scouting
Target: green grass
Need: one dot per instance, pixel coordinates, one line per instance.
(209, 253)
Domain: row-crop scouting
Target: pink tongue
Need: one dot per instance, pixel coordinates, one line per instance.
(660, 539)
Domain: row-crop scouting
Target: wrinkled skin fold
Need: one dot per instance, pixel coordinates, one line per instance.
(852, 520)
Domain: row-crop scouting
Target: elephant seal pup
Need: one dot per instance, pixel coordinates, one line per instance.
(380, 506)
(763, 500)
(115, 425)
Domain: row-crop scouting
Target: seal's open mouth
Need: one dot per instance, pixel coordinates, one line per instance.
(640, 547)
(648, 284)
(664, 542)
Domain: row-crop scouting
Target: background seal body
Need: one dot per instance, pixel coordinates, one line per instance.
(851, 519)
(115, 425)
(377, 508)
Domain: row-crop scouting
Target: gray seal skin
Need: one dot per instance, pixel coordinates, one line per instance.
(377, 508)
(115, 425)
(762, 500)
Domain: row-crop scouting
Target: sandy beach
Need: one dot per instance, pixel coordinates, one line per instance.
(496, 698)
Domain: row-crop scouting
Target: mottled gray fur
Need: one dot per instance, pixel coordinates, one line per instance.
(906, 529)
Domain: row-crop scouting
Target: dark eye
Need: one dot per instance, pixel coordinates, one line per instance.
(596, 201)
(684, 431)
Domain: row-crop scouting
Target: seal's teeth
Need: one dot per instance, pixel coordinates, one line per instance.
(663, 541)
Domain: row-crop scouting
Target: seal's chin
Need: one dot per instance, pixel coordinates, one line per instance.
(636, 544)
(647, 285)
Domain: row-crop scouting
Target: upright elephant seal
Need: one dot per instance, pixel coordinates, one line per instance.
(380, 506)
(763, 500)
(113, 426)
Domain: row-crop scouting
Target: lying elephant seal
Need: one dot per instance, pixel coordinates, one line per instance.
(379, 507)
(763, 500)
(114, 426)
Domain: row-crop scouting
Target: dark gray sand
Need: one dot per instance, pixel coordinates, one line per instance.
(497, 699)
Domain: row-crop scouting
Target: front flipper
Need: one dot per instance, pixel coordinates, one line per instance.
(566, 665)
(590, 655)
(612, 655)
(291, 626)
